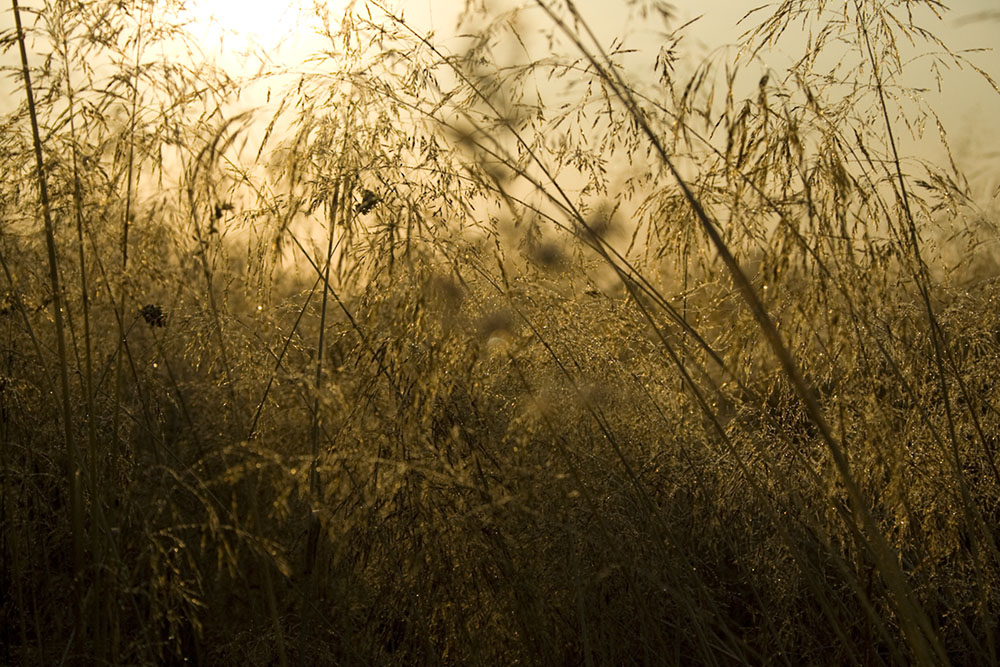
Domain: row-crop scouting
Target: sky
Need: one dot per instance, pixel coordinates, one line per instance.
(968, 106)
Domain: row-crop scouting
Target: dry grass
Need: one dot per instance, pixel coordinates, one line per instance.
(498, 357)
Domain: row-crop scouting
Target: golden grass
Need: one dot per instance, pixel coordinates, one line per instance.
(498, 357)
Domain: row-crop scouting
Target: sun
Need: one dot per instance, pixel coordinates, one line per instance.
(246, 25)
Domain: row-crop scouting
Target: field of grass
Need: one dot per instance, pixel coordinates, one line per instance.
(500, 356)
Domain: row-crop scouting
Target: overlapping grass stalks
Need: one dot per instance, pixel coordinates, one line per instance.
(445, 362)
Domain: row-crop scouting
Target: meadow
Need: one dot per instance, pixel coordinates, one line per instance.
(493, 356)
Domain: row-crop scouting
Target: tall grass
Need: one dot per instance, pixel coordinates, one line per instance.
(494, 355)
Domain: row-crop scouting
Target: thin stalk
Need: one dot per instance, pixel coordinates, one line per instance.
(126, 216)
(279, 359)
(314, 479)
(72, 462)
(97, 502)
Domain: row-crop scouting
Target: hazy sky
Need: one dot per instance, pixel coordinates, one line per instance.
(969, 107)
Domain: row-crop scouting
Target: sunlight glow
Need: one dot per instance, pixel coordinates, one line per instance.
(246, 25)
